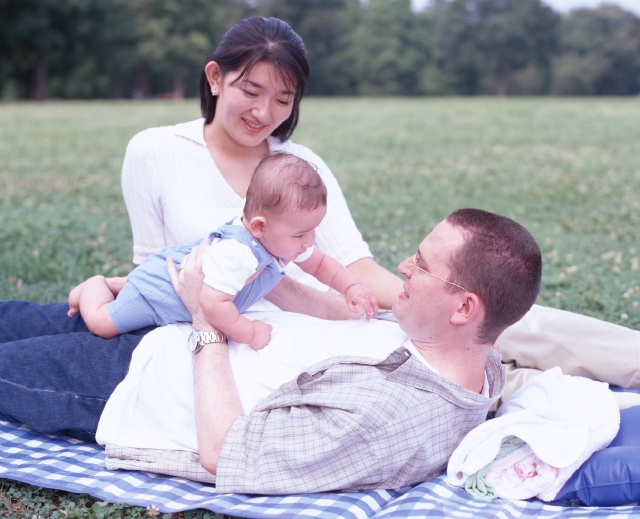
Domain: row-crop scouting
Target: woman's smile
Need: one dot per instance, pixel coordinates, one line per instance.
(253, 127)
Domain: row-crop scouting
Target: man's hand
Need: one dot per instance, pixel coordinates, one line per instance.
(188, 284)
(261, 335)
(359, 295)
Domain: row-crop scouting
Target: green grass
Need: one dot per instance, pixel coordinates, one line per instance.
(567, 169)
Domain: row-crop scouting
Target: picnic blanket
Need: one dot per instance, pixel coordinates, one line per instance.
(67, 464)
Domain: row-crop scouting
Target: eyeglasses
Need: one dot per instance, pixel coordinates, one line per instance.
(414, 264)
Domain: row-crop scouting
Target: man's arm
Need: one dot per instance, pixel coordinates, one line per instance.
(217, 403)
(342, 425)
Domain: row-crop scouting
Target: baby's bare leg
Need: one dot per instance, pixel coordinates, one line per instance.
(91, 299)
(116, 284)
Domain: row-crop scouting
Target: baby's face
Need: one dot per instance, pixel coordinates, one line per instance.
(290, 234)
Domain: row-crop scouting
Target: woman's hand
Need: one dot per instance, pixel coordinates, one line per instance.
(188, 283)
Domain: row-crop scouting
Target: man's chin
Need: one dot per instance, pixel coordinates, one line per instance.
(395, 309)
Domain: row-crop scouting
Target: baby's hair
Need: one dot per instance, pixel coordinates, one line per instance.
(283, 182)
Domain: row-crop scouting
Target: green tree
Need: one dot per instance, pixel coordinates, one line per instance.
(173, 36)
(455, 51)
(35, 35)
(99, 48)
(488, 40)
(599, 53)
(388, 49)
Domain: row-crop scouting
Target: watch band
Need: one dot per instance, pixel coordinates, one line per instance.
(204, 338)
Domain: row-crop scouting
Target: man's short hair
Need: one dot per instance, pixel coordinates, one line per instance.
(283, 182)
(500, 262)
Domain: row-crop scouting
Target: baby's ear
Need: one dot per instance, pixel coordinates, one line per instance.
(257, 226)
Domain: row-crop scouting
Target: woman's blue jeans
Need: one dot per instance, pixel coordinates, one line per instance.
(56, 376)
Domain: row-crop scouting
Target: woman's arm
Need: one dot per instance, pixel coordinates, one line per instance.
(291, 296)
(141, 191)
(384, 285)
(339, 237)
(330, 272)
(217, 403)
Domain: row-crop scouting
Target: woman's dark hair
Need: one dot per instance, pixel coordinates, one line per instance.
(255, 40)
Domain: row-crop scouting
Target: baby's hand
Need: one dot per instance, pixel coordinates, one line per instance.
(261, 335)
(361, 295)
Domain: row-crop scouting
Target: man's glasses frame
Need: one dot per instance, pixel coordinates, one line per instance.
(414, 264)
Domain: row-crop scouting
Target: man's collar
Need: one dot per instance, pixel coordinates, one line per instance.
(193, 130)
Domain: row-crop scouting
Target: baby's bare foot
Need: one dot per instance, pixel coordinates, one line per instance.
(74, 299)
(115, 284)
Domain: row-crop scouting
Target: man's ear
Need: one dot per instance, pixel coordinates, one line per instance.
(257, 226)
(468, 309)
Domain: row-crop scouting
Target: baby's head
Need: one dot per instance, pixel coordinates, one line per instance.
(286, 201)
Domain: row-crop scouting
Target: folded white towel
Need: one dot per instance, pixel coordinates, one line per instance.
(563, 420)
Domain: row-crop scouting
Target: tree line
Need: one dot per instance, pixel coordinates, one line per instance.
(155, 48)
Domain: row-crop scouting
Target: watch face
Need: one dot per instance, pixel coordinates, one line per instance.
(192, 342)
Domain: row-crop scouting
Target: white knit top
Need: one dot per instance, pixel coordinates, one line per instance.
(175, 194)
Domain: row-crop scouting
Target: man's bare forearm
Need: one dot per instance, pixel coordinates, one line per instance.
(217, 401)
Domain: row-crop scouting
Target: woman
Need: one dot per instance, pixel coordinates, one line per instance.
(180, 183)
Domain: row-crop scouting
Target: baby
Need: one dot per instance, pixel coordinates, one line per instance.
(286, 201)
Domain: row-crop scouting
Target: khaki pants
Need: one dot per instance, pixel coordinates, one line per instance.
(580, 345)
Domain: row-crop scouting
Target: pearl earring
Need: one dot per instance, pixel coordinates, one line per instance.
(213, 92)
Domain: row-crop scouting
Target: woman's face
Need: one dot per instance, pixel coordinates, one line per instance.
(248, 110)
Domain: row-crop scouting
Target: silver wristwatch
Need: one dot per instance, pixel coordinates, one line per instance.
(197, 340)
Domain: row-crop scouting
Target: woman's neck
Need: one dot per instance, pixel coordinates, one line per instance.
(235, 162)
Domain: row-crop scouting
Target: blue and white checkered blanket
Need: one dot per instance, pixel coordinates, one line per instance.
(68, 464)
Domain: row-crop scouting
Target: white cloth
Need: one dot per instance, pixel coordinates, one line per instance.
(153, 407)
(563, 419)
(227, 264)
(175, 194)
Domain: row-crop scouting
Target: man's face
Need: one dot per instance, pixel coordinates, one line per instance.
(424, 307)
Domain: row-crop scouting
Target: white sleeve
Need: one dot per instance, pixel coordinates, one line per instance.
(337, 235)
(142, 195)
(227, 264)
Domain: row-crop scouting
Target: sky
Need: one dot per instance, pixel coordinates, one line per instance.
(564, 6)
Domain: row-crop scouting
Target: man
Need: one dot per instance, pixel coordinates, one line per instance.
(356, 422)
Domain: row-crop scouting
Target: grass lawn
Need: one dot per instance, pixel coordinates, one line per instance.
(567, 169)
